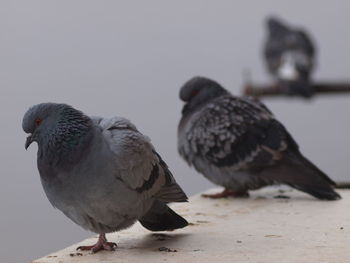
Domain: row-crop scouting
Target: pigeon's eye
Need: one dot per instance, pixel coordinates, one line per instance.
(38, 121)
(194, 93)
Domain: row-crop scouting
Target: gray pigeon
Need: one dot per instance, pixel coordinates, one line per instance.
(290, 57)
(237, 143)
(101, 173)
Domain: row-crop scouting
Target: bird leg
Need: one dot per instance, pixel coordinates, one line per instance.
(227, 193)
(101, 244)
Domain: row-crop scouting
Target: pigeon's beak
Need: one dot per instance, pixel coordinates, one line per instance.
(29, 140)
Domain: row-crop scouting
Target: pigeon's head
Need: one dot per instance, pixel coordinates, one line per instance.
(200, 88)
(276, 27)
(40, 120)
(198, 91)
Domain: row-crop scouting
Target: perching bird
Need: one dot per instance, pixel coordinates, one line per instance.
(237, 143)
(290, 58)
(101, 173)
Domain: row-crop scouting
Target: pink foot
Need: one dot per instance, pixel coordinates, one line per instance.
(101, 244)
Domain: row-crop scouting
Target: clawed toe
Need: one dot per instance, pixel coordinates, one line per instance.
(101, 244)
(110, 246)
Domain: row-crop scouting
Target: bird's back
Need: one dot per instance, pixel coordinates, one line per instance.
(219, 140)
(98, 192)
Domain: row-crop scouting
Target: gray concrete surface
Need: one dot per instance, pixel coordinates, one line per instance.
(260, 229)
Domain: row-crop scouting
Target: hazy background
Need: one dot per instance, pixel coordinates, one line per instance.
(129, 58)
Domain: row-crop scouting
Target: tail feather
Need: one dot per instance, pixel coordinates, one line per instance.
(171, 193)
(298, 172)
(161, 218)
(313, 167)
(320, 193)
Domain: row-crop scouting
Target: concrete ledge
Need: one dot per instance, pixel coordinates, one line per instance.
(258, 229)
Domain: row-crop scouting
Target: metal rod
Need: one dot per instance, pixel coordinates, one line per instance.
(275, 90)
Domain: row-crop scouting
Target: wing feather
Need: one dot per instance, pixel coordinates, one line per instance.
(137, 163)
(238, 133)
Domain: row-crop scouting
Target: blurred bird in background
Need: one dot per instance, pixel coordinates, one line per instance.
(290, 57)
(237, 143)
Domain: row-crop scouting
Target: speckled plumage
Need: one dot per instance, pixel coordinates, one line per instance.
(290, 57)
(237, 143)
(102, 173)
